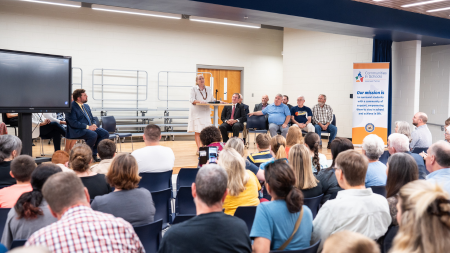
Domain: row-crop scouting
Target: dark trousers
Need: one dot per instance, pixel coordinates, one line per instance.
(54, 131)
(92, 138)
(236, 128)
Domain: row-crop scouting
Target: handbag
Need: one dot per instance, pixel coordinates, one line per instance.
(297, 225)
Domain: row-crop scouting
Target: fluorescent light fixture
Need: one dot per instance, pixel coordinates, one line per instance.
(135, 12)
(60, 3)
(441, 9)
(422, 3)
(223, 22)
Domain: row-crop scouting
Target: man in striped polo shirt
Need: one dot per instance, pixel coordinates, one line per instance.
(263, 146)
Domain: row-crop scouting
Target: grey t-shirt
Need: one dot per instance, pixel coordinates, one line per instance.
(135, 206)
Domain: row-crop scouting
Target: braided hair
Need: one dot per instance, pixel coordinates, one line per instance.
(312, 141)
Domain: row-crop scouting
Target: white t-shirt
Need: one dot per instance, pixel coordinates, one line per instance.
(154, 159)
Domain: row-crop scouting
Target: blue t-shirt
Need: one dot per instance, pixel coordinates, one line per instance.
(274, 222)
(376, 174)
(277, 114)
(301, 114)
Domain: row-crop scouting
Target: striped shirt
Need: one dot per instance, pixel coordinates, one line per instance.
(261, 157)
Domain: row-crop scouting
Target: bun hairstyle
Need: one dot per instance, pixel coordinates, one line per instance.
(312, 140)
(80, 157)
(278, 146)
(425, 219)
(281, 181)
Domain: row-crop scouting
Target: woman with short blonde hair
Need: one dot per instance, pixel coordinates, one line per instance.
(238, 145)
(243, 186)
(294, 136)
(300, 162)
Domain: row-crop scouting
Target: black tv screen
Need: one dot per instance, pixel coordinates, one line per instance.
(31, 82)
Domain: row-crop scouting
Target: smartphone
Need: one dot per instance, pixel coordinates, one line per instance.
(207, 154)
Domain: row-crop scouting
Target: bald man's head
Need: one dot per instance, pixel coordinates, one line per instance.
(420, 119)
(441, 151)
(264, 99)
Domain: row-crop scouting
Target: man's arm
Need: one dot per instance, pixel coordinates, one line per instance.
(243, 117)
(315, 118)
(258, 113)
(73, 122)
(223, 117)
(286, 121)
(414, 139)
(323, 226)
(309, 120)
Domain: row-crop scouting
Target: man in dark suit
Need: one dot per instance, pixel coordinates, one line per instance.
(233, 118)
(246, 108)
(82, 125)
(263, 104)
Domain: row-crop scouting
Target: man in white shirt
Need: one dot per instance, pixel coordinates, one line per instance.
(154, 157)
(356, 208)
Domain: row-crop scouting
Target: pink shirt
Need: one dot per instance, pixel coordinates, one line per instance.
(10, 195)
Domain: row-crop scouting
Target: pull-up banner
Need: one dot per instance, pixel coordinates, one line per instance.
(370, 100)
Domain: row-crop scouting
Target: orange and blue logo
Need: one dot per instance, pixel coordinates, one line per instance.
(359, 78)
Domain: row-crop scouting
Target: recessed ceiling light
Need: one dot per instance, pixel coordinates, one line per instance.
(135, 12)
(224, 22)
(441, 9)
(422, 3)
(60, 3)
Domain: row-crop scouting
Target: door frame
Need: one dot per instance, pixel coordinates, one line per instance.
(203, 66)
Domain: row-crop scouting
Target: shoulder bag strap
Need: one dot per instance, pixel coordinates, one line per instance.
(297, 225)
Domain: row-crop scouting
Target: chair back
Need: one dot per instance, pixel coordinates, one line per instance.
(17, 243)
(419, 150)
(379, 190)
(311, 249)
(150, 235)
(3, 215)
(256, 122)
(181, 218)
(384, 157)
(313, 204)
(246, 213)
(186, 177)
(333, 122)
(333, 195)
(184, 202)
(162, 204)
(109, 124)
(98, 122)
(156, 181)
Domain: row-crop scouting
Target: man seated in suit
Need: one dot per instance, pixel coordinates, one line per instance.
(233, 118)
(264, 103)
(82, 125)
(246, 108)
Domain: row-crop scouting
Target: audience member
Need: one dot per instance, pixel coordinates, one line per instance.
(447, 130)
(300, 162)
(3, 128)
(10, 148)
(11, 118)
(327, 177)
(438, 164)
(68, 201)
(283, 223)
(243, 186)
(154, 157)
(241, 101)
(80, 158)
(279, 116)
(31, 211)
(106, 150)
(264, 103)
(46, 129)
(210, 137)
(238, 145)
(211, 230)
(319, 161)
(421, 137)
(373, 148)
(82, 125)
(302, 115)
(355, 208)
(402, 127)
(423, 215)
(263, 147)
(61, 158)
(322, 118)
(21, 169)
(398, 143)
(128, 202)
(277, 150)
(401, 169)
(233, 118)
(293, 137)
(286, 101)
(349, 242)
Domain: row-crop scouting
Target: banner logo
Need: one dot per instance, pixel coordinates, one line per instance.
(370, 127)
(359, 78)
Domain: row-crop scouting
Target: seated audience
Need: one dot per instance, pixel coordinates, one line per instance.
(276, 221)
(438, 164)
(327, 177)
(319, 161)
(264, 103)
(398, 143)
(243, 186)
(423, 216)
(31, 211)
(79, 228)
(349, 242)
(277, 149)
(238, 145)
(241, 101)
(302, 115)
(106, 151)
(401, 169)
(294, 136)
(421, 137)
(373, 148)
(10, 148)
(304, 178)
(61, 158)
(136, 204)
(154, 157)
(322, 118)
(286, 101)
(211, 230)
(402, 127)
(263, 147)
(21, 169)
(46, 129)
(356, 208)
(210, 137)
(80, 158)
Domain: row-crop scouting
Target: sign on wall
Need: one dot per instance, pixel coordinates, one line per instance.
(370, 100)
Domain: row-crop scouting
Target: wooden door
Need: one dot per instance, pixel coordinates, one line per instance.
(233, 80)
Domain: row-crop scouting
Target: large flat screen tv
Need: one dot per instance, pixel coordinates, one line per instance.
(31, 82)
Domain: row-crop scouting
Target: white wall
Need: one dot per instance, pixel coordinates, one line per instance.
(98, 39)
(434, 87)
(315, 63)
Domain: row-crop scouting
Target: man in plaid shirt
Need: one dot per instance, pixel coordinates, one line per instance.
(322, 118)
(79, 228)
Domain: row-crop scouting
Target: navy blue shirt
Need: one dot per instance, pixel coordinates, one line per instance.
(301, 114)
